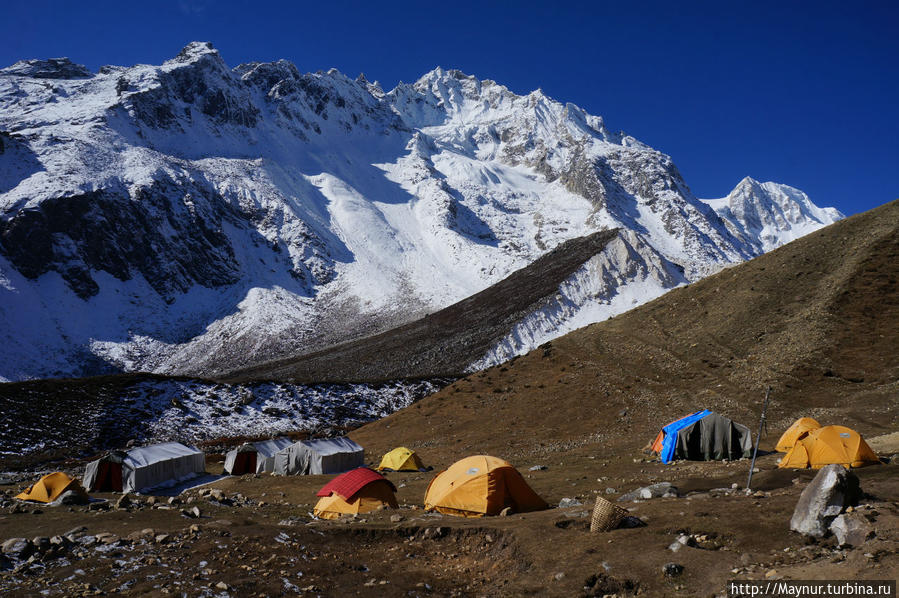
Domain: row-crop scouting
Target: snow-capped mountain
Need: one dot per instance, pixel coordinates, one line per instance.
(767, 215)
(194, 218)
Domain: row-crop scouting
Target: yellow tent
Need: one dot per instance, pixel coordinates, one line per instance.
(360, 490)
(51, 486)
(799, 429)
(401, 459)
(481, 485)
(830, 444)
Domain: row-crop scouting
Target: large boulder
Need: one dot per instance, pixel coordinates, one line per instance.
(833, 489)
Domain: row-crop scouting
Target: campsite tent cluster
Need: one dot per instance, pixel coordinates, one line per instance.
(472, 487)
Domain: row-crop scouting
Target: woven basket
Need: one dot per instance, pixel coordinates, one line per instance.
(606, 515)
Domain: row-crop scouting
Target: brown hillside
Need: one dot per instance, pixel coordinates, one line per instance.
(817, 319)
(445, 342)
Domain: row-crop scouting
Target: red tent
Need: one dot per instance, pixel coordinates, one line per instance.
(348, 484)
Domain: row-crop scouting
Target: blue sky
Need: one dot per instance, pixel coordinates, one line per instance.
(803, 93)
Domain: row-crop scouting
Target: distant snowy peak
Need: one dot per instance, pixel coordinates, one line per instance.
(767, 215)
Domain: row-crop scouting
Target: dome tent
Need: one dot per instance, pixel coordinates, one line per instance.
(481, 485)
(401, 459)
(799, 429)
(830, 444)
(52, 486)
(360, 490)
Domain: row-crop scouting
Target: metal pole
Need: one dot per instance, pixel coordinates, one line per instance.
(758, 437)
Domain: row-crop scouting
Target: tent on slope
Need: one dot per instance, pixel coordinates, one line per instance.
(658, 443)
(481, 485)
(705, 436)
(360, 490)
(830, 444)
(255, 457)
(144, 467)
(323, 455)
(401, 459)
(796, 431)
(52, 486)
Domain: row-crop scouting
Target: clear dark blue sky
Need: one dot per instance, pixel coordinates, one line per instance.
(800, 92)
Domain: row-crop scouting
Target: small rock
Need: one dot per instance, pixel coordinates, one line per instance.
(148, 531)
(537, 468)
(75, 532)
(174, 500)
(163, 539)
(221, 586)
(194, 529)
(559, 576)
(850, 529)
(18, 548)
(672, 569)
(216, 494)
(770, 573)
(193, 512)
(569, 502)
(124, 502)
(41, 544)
(396, 518)
(70, 497)
(610, 490)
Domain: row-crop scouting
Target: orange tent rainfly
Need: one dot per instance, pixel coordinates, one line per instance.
(800, 428)
(830, 444)
(481, 485)
(52, 486)
(360, 490)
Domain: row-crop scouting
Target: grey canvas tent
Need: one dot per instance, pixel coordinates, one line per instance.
(712, 437)
(142, 468)
(255, 457)
(325, 455)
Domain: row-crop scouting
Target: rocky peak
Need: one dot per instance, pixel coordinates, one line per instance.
(50, 68)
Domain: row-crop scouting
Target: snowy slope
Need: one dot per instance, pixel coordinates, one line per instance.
(768, 215)
(192, 218)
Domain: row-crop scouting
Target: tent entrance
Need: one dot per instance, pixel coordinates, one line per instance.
(244, 463)
(109, 477)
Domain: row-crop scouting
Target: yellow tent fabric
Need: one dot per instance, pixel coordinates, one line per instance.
(371, 497)
(401, 459)
(481, 485)
(51, 486)
(797, 430)
(830, 444)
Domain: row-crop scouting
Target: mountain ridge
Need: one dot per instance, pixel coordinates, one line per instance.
(189, 218)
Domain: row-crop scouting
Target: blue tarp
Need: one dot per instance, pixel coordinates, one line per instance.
(670, 441)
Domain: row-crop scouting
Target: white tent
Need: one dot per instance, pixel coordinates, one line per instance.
(255, 457)
(325, 455)
(139, 469)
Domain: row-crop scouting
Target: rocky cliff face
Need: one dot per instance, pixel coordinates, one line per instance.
(194, 218)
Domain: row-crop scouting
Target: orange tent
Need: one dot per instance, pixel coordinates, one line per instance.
(830, 444)
(798, 430)
(481, 485)
(357, 491)
(52, 486)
